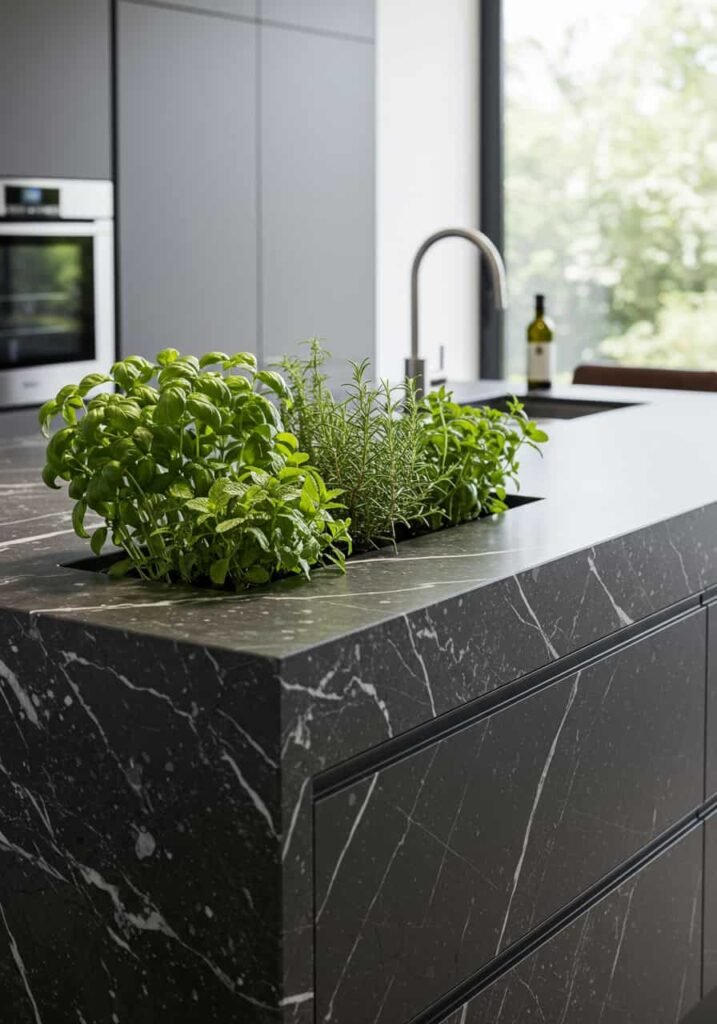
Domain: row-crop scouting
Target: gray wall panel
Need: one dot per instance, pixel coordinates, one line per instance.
(55, 84)
(317, 209)
(187, 180)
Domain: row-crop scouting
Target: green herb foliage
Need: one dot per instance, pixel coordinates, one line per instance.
(400, 462)
(191, 472)
(370, 444)
(473, 454)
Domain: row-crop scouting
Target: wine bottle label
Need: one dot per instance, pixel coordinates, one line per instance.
(541, 361)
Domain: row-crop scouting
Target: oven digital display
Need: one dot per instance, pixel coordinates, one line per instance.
(31, 196)
(31, 201)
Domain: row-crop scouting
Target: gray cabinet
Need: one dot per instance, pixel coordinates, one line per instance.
(186, 180)
(240, 8)
(55, 84)
(317, 193)
(431, 867)
(353, 17)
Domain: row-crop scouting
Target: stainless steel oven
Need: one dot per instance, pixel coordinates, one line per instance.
(56, 285)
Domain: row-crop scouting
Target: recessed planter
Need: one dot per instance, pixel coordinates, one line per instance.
(212, 472)
(103, 563)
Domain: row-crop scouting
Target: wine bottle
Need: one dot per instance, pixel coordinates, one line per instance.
(541, 348)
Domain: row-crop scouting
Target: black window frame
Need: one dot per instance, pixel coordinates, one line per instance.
(491, 170)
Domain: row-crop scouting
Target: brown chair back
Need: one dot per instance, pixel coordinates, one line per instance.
(645, 377)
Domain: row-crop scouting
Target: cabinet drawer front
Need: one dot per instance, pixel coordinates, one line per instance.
(711, 752)
(633, 957)
(428, 868)
(710, 908)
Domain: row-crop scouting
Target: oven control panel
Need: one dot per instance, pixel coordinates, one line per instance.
(32, 201)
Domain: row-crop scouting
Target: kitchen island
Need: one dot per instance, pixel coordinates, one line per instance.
(469, 782)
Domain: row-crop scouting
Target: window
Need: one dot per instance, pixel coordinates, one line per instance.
(610, 179)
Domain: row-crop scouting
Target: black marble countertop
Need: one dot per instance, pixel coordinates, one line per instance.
(601, 477)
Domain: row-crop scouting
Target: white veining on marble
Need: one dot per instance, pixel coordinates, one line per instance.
(344, 850)
(680, 559)
(370, 690)
(17, 957)
(461, 555)
(577, 953)
(533, 995)
(534, 808)
(119, 941)
(23, 486)
(386, 994)
(230, 599)
(469, 782)
(36, 859)
(131, 781)
(251, 793)
(153, 921)
(421, 661)
(294, 818)
(329, 1015)
(31, 540)
(34, 519)
(71, 658)
(536, 622)
(301, 997)
(618, 950)
(250, 739)
(622, 615)
(23, 700)
(688, 961)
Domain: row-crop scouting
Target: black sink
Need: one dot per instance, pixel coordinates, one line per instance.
(547, 407)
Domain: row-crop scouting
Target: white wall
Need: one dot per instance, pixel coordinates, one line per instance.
(427, 178)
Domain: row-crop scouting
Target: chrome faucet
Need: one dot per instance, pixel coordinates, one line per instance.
(415, 367)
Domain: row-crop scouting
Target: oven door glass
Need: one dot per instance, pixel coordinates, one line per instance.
(46, 299)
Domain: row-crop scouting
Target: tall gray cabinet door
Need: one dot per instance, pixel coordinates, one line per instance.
(186, 181)
(241, 8)
(353, 17)
(317, 192)
(55, 88)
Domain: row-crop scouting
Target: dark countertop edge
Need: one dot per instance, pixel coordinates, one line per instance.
(277, 661)
(472, 393)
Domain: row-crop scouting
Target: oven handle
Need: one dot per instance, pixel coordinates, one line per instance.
(80, 229)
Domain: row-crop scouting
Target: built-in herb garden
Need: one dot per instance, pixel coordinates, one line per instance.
(210, 471)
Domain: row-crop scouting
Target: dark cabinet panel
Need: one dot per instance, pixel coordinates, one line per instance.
(430, 867)
(710, 930)
(711, 750)
(55, 84)
(633, 958)
(354, 17)
(317, 193)
(187, 181)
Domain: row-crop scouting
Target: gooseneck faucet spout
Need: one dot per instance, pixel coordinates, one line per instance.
(416, 367)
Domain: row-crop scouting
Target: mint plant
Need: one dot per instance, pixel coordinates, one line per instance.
(473, 454)
(191, 472)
